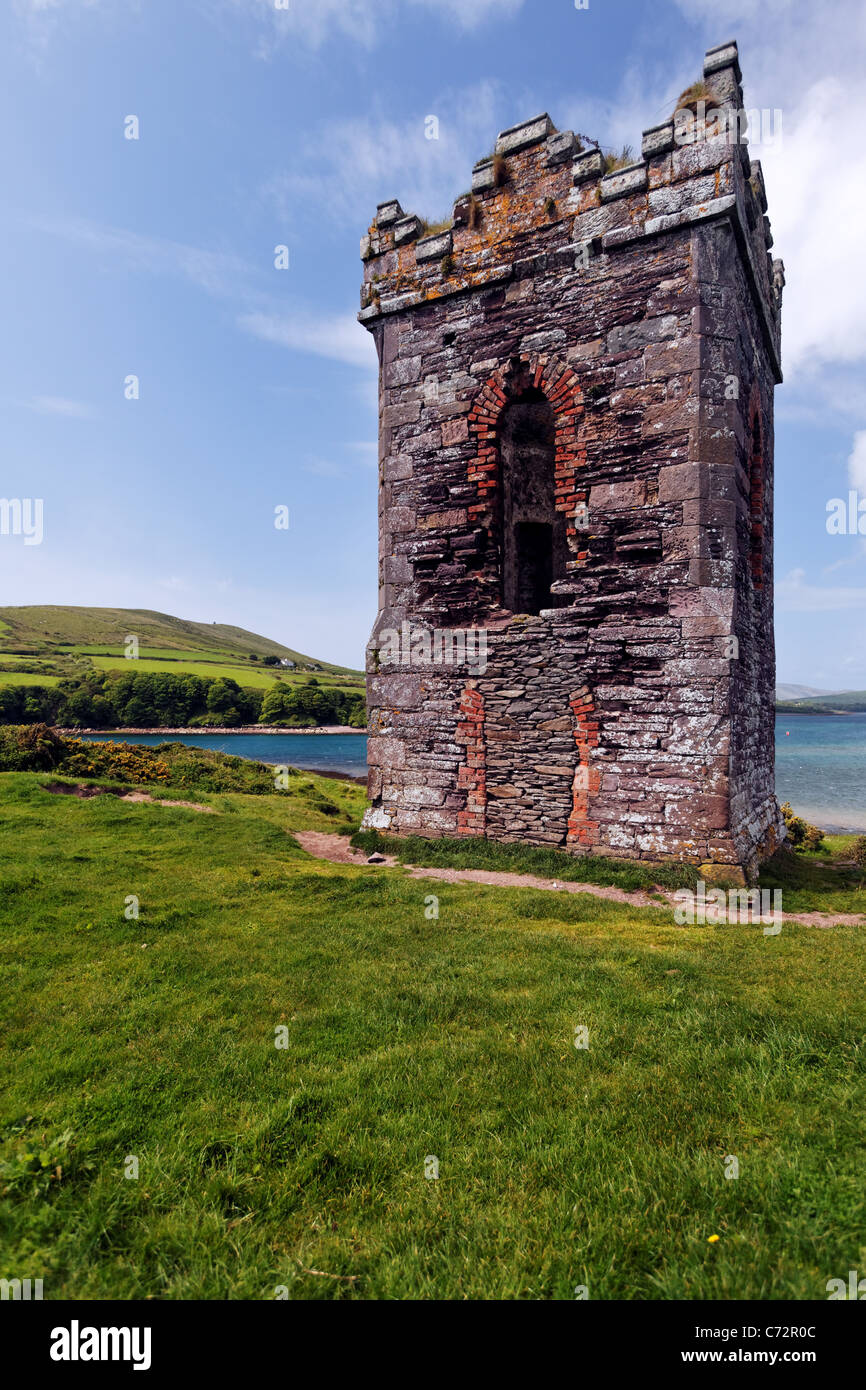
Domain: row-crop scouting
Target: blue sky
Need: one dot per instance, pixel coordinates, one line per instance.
(261, 127)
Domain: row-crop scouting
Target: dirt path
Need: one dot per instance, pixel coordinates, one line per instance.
(337, 849)
(87, 793)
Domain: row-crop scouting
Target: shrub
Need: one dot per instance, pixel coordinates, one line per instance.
(125, 761)
(30, 748)
(800, 833)
(814, 837)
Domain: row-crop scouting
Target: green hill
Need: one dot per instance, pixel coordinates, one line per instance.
(54, 630)
(844, 702)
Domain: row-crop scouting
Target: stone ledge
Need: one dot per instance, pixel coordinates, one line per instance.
(623, 181)
(589, 165)
(433, 248)
(724, 55)
(560, 147)
(407, 229)
(698, 212)
(658, 139)
(483, 177)
(388, 213)
(519, 137)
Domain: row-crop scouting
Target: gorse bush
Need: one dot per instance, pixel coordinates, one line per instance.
(117, 760)
(36, 748)
(801, 835)
(30, 748)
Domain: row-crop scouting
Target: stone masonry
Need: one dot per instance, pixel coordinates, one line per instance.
(576, 461)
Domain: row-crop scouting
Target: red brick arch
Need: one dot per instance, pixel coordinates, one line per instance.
(559, 384)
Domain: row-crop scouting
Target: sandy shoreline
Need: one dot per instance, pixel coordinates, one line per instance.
(219, 729)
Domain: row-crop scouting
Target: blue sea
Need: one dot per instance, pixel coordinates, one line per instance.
(343, 753)
(820, 760)
(821, 768)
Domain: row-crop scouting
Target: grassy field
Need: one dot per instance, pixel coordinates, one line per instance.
(26, 678)
(407, 1038)
(259, 677)
(51, 629)
(245, 673)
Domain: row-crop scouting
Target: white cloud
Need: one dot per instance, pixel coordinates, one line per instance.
(313, 22)
(808, 61)
(794, 595)
(350, 165)
(222, 275)
(857, 462)
(218, 273)
(59, 405)
(338, 336)
(322, 468)
(367, 448)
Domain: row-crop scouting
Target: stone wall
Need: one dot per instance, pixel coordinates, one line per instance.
(638, 313)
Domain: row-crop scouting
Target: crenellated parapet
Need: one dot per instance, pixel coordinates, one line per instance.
(541, 192)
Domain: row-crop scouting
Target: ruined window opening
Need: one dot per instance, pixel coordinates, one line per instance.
(534, 544)
(449, 339)
(756, 503)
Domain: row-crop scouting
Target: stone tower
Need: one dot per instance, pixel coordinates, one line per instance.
(574, 643)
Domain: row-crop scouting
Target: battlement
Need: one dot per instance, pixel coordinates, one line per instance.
(542, 194)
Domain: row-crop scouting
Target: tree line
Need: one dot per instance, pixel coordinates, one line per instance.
(131, 699)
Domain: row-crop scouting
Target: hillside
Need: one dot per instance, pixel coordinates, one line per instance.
(54, 630)
(842, 702)
(786, 692)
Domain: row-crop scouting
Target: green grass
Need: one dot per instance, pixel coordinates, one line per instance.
(154, 653)
(247, 673)
(26, 678)
(407, 1037)
(824, 880)
(471, 853)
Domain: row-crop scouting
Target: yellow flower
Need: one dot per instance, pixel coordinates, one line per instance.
(711, 1240)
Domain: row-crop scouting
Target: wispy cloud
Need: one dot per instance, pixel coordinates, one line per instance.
(338, 336)
(219, 273)
(857, 462)
(795, 595)
(322, 468)
(314, 22)
(226, 276)
(60, 405)
(808, 61)
(350, 165)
